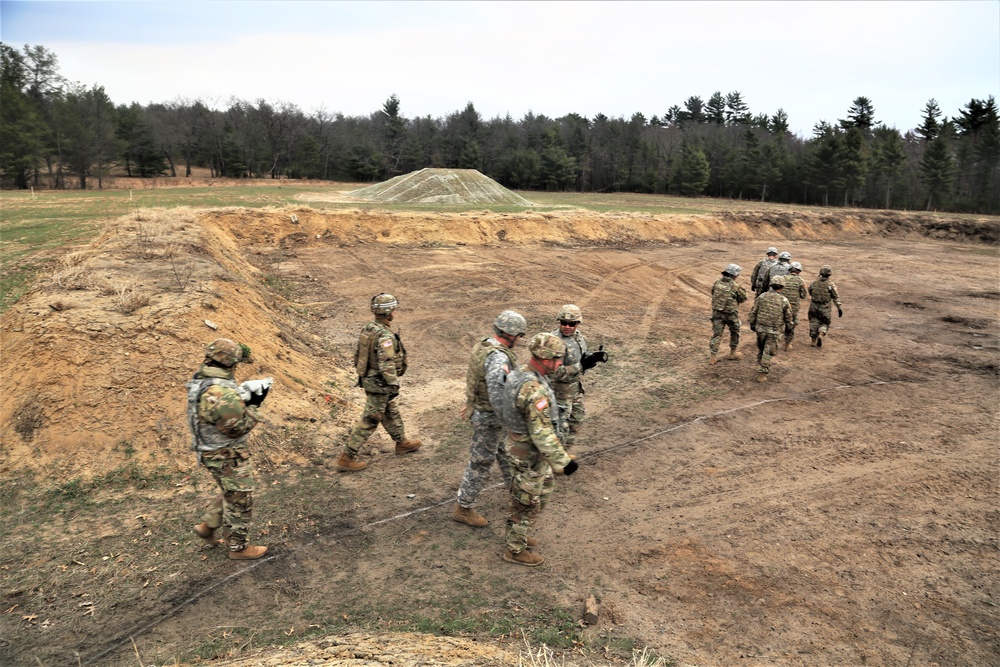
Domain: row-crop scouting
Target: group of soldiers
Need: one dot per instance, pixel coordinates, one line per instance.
(778, 290)
(525, 418)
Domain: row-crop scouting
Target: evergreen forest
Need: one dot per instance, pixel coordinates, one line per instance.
(59, 134)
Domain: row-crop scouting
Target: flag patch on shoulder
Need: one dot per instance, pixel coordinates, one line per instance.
(542, 404)
(387, 343)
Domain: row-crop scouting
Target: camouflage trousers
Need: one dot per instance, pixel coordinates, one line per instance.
(530, 489)
(819, 319)
(720, 321)
(790, 329)
(569, 398)
(767, 347)
(486, 447)
(233, 509)
(379, 409)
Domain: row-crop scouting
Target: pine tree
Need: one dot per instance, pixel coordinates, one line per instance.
(929, 127)
(937, 171)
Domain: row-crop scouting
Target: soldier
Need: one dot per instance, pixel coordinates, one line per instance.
(769, 316)
(822, 292)
(794, 291)
(221, 415)
(727, 296)
(567, 381)
(757, 283)
(533, 443)
(782, 268)
(380, 360)
(492, 359)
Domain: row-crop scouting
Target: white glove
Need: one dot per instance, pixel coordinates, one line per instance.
(253, 392)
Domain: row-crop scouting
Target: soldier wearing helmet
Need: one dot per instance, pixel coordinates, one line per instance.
(492, 359)
(794, 290)
(533, 445)
(727, 295)
(221, 415)
(782, 268)
(822, 293)
(567, 381)
(380, 361)
(757, 283)
(769, 317)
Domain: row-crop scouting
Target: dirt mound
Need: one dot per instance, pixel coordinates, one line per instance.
(441, 186)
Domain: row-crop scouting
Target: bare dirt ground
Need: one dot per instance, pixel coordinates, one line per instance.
(844, 513)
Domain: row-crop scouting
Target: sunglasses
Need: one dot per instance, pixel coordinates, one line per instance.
(567, 324)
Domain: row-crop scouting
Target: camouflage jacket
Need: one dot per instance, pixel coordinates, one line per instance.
(795, 290)
(727, 295)
(531, 417)
(770, 313)
(380, 358)
(822, 292)
(217, 415)
(566, 379)
(489, 365)
(779, 269)
(757, 277)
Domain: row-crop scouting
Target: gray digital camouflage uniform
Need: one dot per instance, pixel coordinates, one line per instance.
(769, 317)
(489, 365)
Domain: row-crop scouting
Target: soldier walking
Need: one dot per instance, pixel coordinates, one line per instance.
(757, 283)
(822, 293)
(533, 443)
(380, 360)
(567, 381)
(492, 359)
(769, 317)
(794, 291)
(782, 268)
(727, 296)
(221, 415)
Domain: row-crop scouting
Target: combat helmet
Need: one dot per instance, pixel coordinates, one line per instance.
(826, 270)
(732, 270)
(771, 251)
(785, 255)
(383, 304)
(510, 323)
(796, 266)
(777, 281)
(224, 352)
(570, 313)
(546, 346)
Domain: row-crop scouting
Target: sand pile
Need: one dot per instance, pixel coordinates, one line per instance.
(441, 186)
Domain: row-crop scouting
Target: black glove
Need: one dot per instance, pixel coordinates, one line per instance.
(594, 358)
(570, 468)
(840, 312)
(257, 399)
(753, 327)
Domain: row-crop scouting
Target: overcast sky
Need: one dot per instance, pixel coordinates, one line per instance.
(811, 59)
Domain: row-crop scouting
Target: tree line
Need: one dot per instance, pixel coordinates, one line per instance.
(59, 134)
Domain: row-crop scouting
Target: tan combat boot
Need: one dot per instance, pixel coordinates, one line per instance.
(532, 542)
(812, 342)
(207, 534)
(406, 446)
(788, 346)
(347, 463)
(819, 339)
(469, 516)
(734, 355)
(712, 359)
(762, 377)
(525, 558)
(248, 553)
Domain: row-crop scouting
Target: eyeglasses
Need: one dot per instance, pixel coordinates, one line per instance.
(567, 324)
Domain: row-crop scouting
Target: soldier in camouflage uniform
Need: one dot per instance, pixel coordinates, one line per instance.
(221, 415)
(567, 381)
(769, 317)
(727, 296)
(782, 268)
(794, 291)
(492, 359)
(533, 443)
(757, 283)
(822, 293)
(380, 360)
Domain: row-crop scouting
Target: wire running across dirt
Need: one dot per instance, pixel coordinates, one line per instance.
(129, 636)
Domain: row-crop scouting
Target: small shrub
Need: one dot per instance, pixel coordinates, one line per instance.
(128, 297)
(74, 277)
